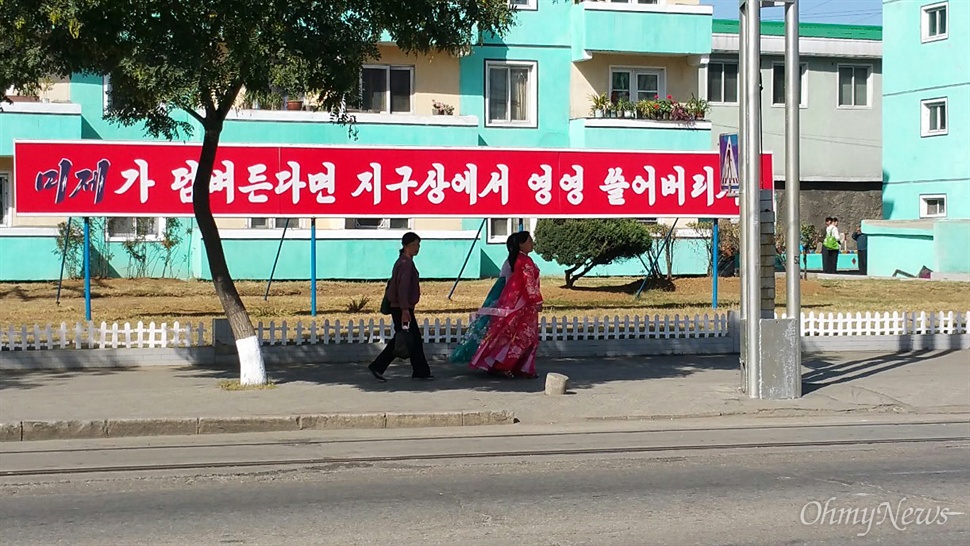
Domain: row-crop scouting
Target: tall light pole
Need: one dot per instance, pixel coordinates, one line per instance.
(742, 186)
(750, 142)
(771, 353)
(742, 130)
(793, 89)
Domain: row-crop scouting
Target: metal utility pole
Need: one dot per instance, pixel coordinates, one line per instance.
(751, 193)
(793, 87)
(742, 131)
(793, 91)
(770, 347)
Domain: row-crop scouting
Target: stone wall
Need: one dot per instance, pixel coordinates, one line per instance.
(850, 202)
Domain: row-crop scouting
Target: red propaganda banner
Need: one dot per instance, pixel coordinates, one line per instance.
(97, 178)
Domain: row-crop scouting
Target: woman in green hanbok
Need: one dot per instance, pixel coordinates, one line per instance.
(476, 330)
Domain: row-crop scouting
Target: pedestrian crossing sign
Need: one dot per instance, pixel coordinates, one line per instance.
(730, 177)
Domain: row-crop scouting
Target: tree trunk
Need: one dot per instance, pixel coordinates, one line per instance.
(252, 371)
(572, 276)
(569, 276)
(669, 254)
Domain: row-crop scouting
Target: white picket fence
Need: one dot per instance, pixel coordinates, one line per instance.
(882, 324)
(550, 329)
(88, 335)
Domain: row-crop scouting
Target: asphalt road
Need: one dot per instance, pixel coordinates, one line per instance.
(907, 493)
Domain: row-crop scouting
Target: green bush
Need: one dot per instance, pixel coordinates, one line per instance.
(581, 245)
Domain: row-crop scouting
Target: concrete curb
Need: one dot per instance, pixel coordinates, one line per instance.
(26, 431)
(793, 412)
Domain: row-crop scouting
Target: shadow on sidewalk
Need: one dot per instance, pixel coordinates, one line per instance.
(825, 371)
(583, 373)
(29, 379)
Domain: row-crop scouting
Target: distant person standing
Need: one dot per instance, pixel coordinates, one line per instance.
(825, 248)
(862, 247)
(831, 245)
(403, 292)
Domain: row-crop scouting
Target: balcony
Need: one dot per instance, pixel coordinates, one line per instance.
(634, 28)
(640, 134)
(38, 121)
(307, 127)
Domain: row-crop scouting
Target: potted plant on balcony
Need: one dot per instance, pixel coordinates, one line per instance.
(272, 100)
(665, 107)
(285, 83)
(600, 105)
(441, 109)
(612, 110)
(626, 108)
(698, 108)
(46, 86)
(645, 108)
(680, 112)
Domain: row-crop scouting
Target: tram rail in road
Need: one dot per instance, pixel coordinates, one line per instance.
(175, 454)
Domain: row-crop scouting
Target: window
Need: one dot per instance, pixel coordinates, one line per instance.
(510, 93)
(934, 22)
(6, 203)
(634, 1)
(778, 85)
(722, 82)
(635, 84)
(499, 229)
(106, 84)
(131, 228)
(932, 206)
(524, 4)
(273, 223)
(933, 117)
(378, 223)
(386, 89)
(853, 86)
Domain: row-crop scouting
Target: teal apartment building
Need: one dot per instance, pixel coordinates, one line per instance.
(841, 117)
(529, 89)
(926, 141)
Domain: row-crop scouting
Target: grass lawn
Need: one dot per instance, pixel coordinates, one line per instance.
(166, 300)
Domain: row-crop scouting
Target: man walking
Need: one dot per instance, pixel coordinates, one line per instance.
(403, 293)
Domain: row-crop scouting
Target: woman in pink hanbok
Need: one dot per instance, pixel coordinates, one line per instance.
(510, 344)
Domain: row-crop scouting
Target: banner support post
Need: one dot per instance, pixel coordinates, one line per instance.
(87, 268)
(714, 265)
(467, 257)
(313, 267)
(278, 249)
(67, 242)
(656, 267)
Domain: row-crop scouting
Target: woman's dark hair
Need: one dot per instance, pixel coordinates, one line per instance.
(513, 243)
(409, 238)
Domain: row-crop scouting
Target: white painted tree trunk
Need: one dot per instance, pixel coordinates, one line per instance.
(252, 371)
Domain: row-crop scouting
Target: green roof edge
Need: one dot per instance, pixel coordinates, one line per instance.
(806, 30)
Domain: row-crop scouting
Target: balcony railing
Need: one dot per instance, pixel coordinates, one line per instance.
(655, 28)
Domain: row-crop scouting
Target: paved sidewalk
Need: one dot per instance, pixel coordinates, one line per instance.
(602, 388)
